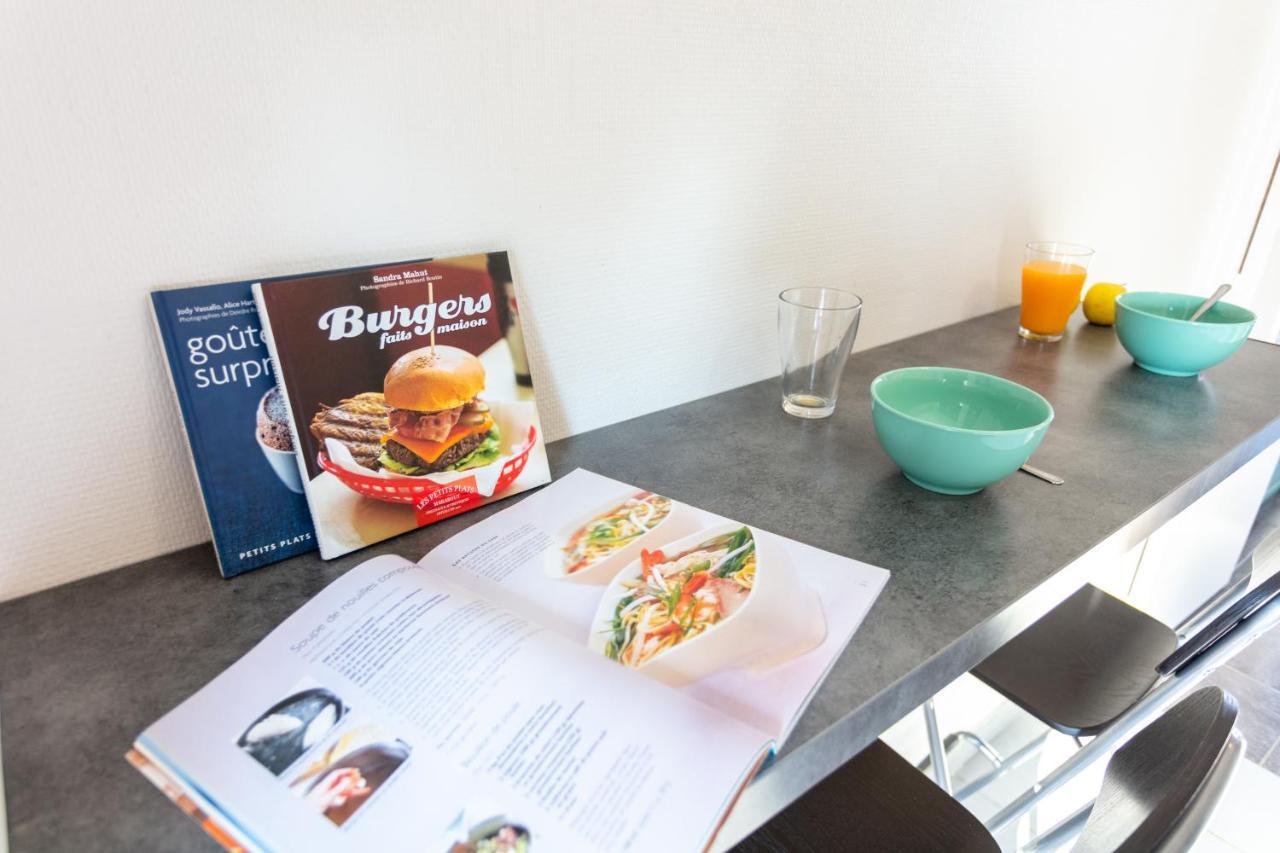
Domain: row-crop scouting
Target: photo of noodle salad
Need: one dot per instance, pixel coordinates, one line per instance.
(613, 530)
(679, 597)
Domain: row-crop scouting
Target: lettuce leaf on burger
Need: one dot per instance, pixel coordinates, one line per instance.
(437, 421)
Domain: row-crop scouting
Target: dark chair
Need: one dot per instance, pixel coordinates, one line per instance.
(1157, 794)
(1093, 657)
(876, 803)
(1082, 665)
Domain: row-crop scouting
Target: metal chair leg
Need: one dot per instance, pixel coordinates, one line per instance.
(1062, 833)
(979, 743)
(937, 753)
(1015, 759)
(985, 749)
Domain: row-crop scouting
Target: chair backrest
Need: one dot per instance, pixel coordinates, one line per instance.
(1248, 611)
(1160, 788)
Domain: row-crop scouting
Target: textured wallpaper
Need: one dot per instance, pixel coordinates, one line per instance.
(659, 172)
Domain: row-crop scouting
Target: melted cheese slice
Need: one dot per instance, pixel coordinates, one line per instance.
(430, 451)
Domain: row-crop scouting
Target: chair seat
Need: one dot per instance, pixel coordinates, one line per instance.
(1084, 664)
(877, 803)
(1161, 788)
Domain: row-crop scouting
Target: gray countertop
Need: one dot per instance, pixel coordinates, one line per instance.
(85, 667)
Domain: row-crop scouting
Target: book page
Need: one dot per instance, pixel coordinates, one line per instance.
(397, 711)
(569, 558)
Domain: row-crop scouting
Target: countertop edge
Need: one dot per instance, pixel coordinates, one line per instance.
(795, 773)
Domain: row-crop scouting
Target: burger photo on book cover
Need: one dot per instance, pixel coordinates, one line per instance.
(436, 417)
(428, 420)
(409, 390)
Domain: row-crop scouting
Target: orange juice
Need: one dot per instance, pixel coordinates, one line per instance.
(1050, 294)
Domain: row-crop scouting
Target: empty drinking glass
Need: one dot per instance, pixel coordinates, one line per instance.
(816, 328)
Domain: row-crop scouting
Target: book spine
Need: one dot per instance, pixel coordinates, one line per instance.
(174, 790)
(160, 314)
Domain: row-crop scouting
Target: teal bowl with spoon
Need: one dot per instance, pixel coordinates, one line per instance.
(1156, 329)
(956, 431)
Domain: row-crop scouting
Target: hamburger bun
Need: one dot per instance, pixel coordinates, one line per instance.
(427, 382)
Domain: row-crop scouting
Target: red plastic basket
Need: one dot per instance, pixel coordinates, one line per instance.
(411, 490)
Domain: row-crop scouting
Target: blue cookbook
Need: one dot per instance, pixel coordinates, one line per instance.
(237, 425)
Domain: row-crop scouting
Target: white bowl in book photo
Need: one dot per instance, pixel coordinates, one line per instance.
(271, 430)
(722, 598)
(287, 730)
(596, 545)
(479, 829)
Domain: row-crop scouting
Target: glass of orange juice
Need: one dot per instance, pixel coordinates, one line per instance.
(1052, 278)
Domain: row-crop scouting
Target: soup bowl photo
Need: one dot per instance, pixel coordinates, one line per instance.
(738, 604)
(595, 546)
(956, 431)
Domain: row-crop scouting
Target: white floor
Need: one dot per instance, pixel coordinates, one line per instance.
(1240, 825)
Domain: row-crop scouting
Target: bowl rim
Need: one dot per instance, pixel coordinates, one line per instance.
(1253, 318)
(875, 397)
(555, 555)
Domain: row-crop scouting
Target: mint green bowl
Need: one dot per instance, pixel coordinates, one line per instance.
(1154, 328)
(956, 431)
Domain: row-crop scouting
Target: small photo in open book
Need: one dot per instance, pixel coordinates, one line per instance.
(347, 771)
(292, 727)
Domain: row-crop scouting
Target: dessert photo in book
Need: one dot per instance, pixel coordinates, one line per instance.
(237, 425)
(409, 392)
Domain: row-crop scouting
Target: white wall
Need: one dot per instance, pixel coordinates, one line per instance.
(659, 171)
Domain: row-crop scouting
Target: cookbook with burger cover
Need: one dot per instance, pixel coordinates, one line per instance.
(406, 390)
(237, 425)
(597, 667)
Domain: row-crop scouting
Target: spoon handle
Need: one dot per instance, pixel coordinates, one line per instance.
(1210, 302)
(1043, 475)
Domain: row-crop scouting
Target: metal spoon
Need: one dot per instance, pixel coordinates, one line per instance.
(1210, 302)
(1043, 475)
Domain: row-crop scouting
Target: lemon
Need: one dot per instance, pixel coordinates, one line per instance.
(1100, 303)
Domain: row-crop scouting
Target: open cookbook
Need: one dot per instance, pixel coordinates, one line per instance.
(597, 667)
